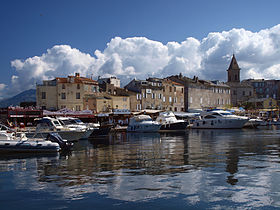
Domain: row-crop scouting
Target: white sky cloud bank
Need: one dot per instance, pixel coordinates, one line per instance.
(257, 53)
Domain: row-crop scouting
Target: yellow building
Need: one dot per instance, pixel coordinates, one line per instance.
(65, 92)
(106, 103)
(264, 103)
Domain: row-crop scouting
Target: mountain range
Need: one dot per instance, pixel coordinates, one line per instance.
(25, 96)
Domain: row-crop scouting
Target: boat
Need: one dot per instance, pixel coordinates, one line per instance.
(169, 122)
(142, 123)
(253, 123)
(11, 141)
(75, 124)
(101, 130)
(219, 119)
(48, 125)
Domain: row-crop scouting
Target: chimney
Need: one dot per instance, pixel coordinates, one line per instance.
(77, 74)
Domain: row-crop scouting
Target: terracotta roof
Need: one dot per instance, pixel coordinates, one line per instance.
(76, 80)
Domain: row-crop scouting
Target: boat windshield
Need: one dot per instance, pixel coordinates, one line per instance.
(65, 122)
(225, 113)
(56, 122)
(77, 120)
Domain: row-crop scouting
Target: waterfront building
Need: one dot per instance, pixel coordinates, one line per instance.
(106, 103)
(148, 93)
(264, 103)
(172, 96)
(241, 92)
(265, 88)
(67, 92)
(203, 94)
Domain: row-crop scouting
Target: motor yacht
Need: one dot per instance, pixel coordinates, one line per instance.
(219, 119)
(142, 123)
(169, 122)
(75, 124)
(48, 125)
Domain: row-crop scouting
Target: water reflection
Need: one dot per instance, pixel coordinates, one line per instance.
(219, 167)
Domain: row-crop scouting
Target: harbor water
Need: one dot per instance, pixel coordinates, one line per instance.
(196, 169)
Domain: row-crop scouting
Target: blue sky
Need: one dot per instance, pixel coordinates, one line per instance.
(40, 39)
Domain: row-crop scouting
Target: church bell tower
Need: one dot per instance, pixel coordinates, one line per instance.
(233, 71)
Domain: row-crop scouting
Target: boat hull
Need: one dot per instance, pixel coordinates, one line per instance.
(174, 126)
(101, 131)
(143, 128)
(68, 135)
(28, 146)
(219, 124)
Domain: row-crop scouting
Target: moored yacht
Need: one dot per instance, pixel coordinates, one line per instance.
(219, 119)
(169, 122)
(48, 125)
(75, 124)
(142, 123)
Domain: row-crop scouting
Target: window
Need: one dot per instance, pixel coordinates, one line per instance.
(170, 89)
(153, 95)
(170, 99)
(182, 90)
(63, 86)
(163, 99)
(138, 96)
(94, 89)
(159, 95)
(78, 108)
(78, 96)
(201, 100)
(138, 106)
(43, 95)
(78, 86)
(190, 100)
(243, 93)
(124, 99)
(63, 96)
(174, 89)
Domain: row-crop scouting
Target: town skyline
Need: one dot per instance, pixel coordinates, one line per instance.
(48, 41)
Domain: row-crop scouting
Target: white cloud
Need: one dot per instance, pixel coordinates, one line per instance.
(257, 53)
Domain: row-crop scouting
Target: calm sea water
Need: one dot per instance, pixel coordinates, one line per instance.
(196, 169)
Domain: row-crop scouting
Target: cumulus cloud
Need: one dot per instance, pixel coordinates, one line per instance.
(257, 54)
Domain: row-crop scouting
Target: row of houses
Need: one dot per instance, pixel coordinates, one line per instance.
(173, 93)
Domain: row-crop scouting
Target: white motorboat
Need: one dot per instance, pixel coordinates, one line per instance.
(169, 122)
(48, 125)
(11, 141)
(219, 119)
(142, 123)
(253, 123)
(75, 124)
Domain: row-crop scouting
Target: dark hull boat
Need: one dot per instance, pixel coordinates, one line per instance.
(102, 130)
(169, 122)
(174, 126)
